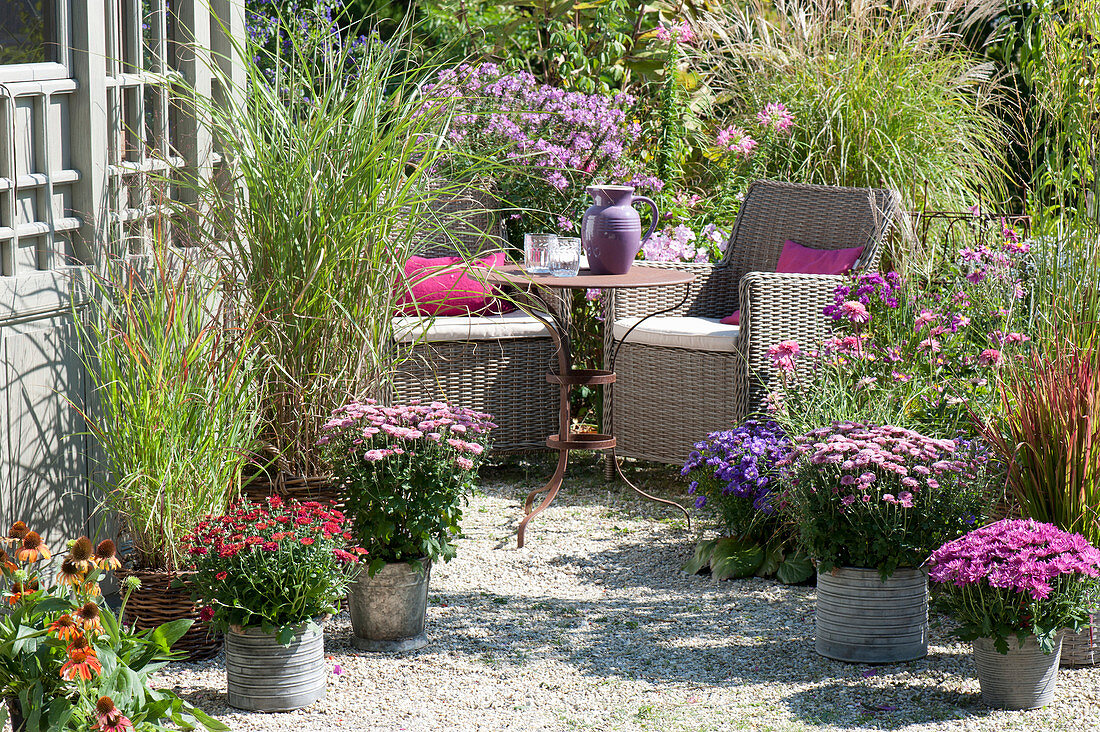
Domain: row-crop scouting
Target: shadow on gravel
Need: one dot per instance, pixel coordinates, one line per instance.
(627, 638)
(895, 705)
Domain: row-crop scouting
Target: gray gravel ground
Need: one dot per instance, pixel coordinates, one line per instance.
(592, 626)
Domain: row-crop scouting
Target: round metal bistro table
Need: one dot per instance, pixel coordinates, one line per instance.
(543, 308)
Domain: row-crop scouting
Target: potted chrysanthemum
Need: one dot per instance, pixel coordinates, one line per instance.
(267, 574)
(1013, 586)
(406, 471)
(872, 502)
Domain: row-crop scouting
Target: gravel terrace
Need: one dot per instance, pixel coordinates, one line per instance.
(592, 626)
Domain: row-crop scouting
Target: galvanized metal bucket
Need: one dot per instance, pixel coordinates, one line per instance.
(861, 619)
(1025, 678)
(265, 676)
(387, 610)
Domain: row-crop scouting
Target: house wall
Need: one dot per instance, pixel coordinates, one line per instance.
(84, 143)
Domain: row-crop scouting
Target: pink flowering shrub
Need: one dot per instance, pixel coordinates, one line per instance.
(1016, 577)
(543, 144)
(920, 353)
(406, 471)
(882, 497)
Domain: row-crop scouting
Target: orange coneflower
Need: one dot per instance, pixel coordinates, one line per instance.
(82, 662)
(91, 589)
(21, 589)
(106, 556)
(6, 562)
(109, 718)
(65, 628)
(70, 574)
(87, 617)
(32, 548)
(16, 533)
(80, 553)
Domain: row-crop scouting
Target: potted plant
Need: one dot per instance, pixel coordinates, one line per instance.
(872, 502)
(734, 476)
(406, 471)
(1046, 432)
(267, 574)
(171, 372)
(1013, 586)
(66, 661)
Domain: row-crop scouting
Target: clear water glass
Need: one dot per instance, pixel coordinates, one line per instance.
(565, 256)
(536, 252)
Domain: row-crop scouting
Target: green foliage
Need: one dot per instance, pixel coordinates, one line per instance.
(323, 198)
(884, 93)
(62, 650)
(172, 373)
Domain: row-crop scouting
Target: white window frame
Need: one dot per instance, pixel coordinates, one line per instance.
(47, 70)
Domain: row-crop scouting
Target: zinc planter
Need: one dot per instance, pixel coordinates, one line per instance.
(1025, 678)
(861, 619)
(387, 610)
(265, 676)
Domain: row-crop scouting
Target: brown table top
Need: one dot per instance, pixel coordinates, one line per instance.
(638, 276)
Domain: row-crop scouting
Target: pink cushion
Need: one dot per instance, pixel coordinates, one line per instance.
(734, 319)
(443, 286)
(797, 259)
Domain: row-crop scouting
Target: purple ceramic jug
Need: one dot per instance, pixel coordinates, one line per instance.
(611, 230)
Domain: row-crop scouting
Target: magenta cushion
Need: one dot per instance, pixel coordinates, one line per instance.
(797, 259)
(442, 286)
(734, 319)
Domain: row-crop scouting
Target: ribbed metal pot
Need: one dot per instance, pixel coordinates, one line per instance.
(861, 619)
(1025, 678)
(265, 676)
(387, 610)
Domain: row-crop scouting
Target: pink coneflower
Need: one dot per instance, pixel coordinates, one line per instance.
(991, 357)
(783, 354)
(109, 718)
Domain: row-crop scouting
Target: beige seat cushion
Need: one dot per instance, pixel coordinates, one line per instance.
(700, 334)
(516, 324)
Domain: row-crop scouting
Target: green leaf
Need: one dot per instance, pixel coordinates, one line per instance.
(701, 559)
(168, 633)
(773, 557)
(733, 558)
(795, 568)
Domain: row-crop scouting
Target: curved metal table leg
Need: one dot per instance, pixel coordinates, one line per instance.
(553, 487)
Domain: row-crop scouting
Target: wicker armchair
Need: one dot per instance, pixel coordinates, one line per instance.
(495, 364)
(668, 396)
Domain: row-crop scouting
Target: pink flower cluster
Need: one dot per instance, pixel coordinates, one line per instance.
(674, 244)
(1016, 554)
(736, 140)
(776, 116)
(863, 455)
(677, 32)
(381, 432)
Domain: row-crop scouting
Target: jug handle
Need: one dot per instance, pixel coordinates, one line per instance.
(653, 219)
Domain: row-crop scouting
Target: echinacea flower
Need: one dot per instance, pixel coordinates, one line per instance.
(16, 533)
(6, 563)
(64, 628)
(106, 556)
(19, 590)
(109, 718)
(87, 617)
(80, 553)
(783, 354)
(83, 661)
(70, 574)
(32, 549)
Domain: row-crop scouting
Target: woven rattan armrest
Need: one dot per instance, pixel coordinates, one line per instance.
(777, 307)
(713, 293)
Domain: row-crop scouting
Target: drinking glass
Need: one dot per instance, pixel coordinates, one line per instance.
(536, 252)
(565, 256)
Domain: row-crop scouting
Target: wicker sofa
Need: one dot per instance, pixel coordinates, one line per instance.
(492, 363)
(682, 375)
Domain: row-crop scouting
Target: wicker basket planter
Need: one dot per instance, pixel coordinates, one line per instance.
(262, 675)
(1025, 678)
(1082, 649)
(301, 487)
(861, 619)
(157, 602)
(387, 610)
